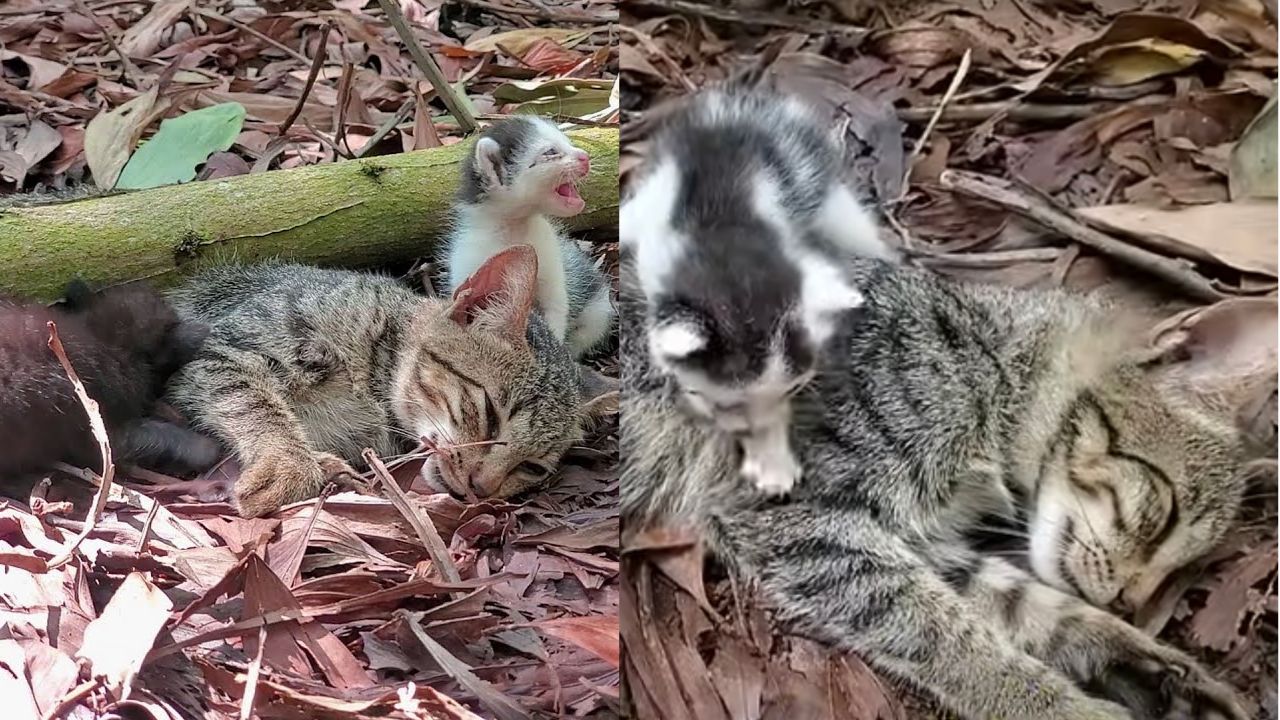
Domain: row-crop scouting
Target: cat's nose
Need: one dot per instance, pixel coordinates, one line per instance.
(584, 162)
(480, 485)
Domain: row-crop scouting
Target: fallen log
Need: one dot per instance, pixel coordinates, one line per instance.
(356, 213)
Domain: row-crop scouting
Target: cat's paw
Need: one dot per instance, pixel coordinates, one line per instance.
(773, 474)
(1094, 709)
(1160, 683)
(279, 479)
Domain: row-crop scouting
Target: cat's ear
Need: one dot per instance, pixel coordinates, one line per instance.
(599, 393)
(489, 161)
(1225, 353)
(677, 339)
(77, 295)
(500, 294)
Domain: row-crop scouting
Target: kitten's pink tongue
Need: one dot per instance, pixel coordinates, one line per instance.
(567, 190)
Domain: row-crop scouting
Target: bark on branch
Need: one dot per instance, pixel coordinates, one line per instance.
(357, 213)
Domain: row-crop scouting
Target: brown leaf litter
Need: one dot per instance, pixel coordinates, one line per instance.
(1088, 146)
(148, 595)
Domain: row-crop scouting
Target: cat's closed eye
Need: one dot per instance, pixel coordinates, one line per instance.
(549, 154)
(534, 468)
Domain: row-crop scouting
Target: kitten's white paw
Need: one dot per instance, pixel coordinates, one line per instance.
(557, 319)
(773, 474)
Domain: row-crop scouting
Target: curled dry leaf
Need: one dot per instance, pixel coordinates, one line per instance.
(117, 642)
(597, 634)
(111, 135)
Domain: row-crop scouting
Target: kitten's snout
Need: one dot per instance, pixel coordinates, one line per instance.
(583, 162)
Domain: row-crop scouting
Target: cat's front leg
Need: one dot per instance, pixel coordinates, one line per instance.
(767, 460)
(843, 579)
(1105, 654)
(234, 396)
(553, 300)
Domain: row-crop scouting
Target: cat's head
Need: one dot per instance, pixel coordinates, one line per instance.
(525, 165)
(1147, 470)
(485, 381)
(141, 321)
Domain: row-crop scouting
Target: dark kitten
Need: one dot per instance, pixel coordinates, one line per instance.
(124, 343)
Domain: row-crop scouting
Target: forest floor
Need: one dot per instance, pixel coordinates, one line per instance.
(161, 602)
(1106, 146)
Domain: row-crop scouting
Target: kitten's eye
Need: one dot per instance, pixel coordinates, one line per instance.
(547, 155)
(531, 467)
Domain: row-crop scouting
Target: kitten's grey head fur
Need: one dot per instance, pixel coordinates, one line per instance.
(524, 165)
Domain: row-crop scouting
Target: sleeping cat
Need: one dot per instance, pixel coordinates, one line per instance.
(521, 172)
(945, 406)
(305, 367)
(740, 227)
(123, 343)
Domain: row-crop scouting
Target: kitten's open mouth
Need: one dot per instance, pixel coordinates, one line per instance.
(568, 191)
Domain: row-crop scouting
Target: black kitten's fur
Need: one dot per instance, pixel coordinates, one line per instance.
(124, 343)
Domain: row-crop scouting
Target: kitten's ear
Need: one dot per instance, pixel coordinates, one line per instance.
(500, 294)
(677, 339)
(77, 295)
(599, 393)
(489, 161)
(1225, 352)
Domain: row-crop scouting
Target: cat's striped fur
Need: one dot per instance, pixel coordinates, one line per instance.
(942, 407)
(305, 367)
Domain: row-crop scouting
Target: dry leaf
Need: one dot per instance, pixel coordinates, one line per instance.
(1241, 235)
(117, 642)
(110, 136)
(519, 41)
(598, 635)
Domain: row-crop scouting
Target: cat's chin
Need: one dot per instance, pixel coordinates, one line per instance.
(432, 478)
(1046, 546)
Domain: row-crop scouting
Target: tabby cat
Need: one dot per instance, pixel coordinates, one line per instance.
(952, 406)
(305, 367)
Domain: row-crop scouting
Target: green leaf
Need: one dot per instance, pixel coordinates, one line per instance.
(573, 97)
(181, 144)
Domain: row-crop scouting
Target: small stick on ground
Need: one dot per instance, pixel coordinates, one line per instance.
(429, 67)
(316, 64)
(128, 69)
(214, 15)
(251, 677)
(750, 17)
(1016, 112)
(956, 81)
(386, 127)
(426, 531)
(104, 446)
(1046, 213)
(565, 15)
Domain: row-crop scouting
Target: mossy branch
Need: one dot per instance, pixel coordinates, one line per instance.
(358, 213)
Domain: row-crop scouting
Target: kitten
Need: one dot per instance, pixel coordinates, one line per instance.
(305, 367)
(124, 343)
(522, 172)
(740, 227)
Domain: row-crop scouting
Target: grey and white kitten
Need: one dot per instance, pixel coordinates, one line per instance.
(740, 227)
(522, 173)
(947, 416)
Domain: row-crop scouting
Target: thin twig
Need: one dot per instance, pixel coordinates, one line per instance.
(545, 13)
(429, 67)
(213, 15)
(251, 678)
(996, 258)
(956, 81)
(426, 530)
(750, 17)
(146, 527)
(316, 64)
(340, 110)
(386, 127)
(1017, 112)
(128, 69)
(1044, 211)
(73, 696)
(104, 446)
